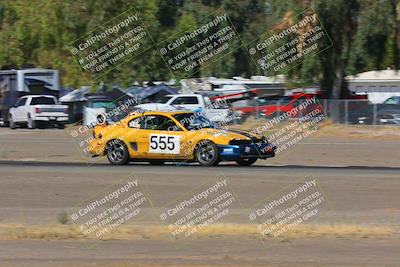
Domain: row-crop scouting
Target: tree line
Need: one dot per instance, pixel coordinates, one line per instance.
(364, 36)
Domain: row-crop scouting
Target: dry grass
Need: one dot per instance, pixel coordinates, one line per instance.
(162, 265)
(140, 232)
(329, 129)
(363, 132)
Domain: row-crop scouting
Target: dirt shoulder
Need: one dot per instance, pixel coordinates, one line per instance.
(330, 145)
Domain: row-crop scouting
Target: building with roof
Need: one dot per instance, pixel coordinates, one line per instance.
(379, 85)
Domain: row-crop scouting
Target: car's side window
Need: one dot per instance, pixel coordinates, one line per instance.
(21, 102)
(151, 123)
(299, 101)
(185, 100)
(17, 103)
(160, 123)
(137, 123)
(166, 124)
(392, 101)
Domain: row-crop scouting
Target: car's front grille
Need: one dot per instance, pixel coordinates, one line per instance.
(246, 142)
(240, 142)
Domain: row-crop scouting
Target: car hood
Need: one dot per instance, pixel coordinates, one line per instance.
(389, 111)
(231, 134)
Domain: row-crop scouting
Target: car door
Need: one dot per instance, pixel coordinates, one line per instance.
(162, 137)
(300, 101)
(18, 115)
(136, 137)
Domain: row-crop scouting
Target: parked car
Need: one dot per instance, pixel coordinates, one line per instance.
(389, 113)
(386, 113)
(16, 83)
(38, 111)
(216, 112)
(95, 105)
(271, 106)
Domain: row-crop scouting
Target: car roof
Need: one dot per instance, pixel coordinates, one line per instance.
(37, 96)
(164, 112)
(98, 97)
(195, 95)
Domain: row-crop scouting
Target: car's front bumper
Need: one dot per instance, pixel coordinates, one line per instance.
(246, 151)
(389, 121)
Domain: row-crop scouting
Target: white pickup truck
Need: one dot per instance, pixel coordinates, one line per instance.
(193, 102)
(38, 111)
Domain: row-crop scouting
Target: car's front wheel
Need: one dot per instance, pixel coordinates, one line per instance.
(117, 153)
(11, 123)
(246, 162)
(207, 154)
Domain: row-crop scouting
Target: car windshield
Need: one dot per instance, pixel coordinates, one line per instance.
(104, 104)
(392, 101)
(241, 103)
(273, 100)
(43, 101)
(194, 121)
(164, 99)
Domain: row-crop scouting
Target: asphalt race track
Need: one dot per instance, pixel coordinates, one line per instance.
(35, 192)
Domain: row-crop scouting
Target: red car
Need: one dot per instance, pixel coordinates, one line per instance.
(273, 105)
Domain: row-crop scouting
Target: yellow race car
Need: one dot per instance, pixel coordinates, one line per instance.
(157, 137)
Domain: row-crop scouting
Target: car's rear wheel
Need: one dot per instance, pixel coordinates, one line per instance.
(11, 123)
(117, 153)
(246, 162)
(156, 162)
(207, 154)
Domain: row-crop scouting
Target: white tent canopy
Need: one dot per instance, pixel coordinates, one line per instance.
(76, 95)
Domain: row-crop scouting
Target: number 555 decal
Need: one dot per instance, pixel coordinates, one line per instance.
(166, 144)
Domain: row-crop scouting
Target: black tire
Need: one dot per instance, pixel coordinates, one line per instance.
(246, 162)
(41, 125)
(60, 126)
(207, 153)
(31, 124)
(156, 162)
(117, 153)
(11, 123)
